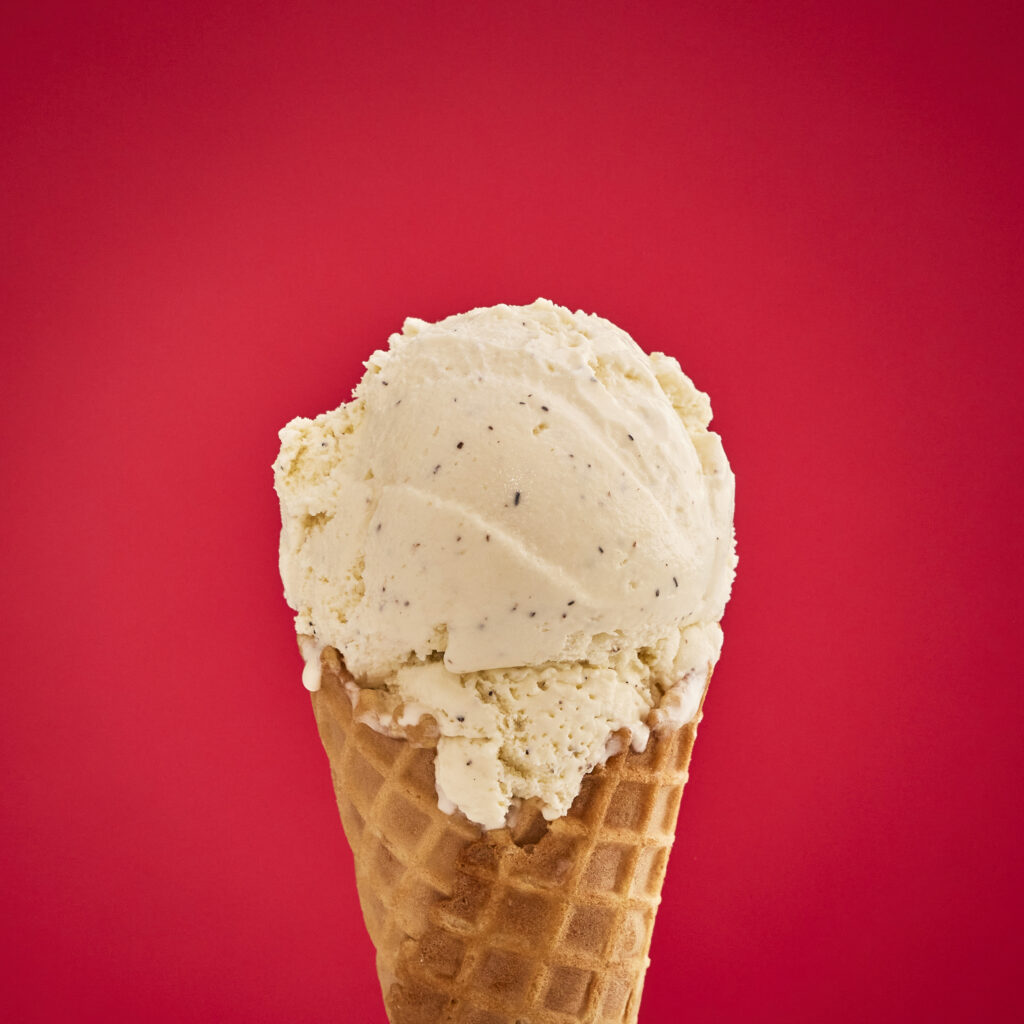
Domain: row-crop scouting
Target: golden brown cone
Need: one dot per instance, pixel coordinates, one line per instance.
(549, 924)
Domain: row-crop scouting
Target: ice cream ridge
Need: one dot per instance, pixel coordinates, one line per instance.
(508, 557)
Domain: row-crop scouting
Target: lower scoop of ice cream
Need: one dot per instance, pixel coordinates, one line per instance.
(533, 733)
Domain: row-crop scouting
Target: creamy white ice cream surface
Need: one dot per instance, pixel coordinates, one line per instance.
(521, 527)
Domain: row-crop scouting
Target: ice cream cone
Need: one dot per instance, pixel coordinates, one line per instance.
(543, 922)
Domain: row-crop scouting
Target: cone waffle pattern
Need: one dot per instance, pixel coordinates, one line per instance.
(550, 924)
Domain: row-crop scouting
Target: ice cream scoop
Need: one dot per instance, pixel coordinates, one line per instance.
(520, 528)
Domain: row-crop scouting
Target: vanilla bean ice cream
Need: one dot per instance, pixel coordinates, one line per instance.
(519, 535)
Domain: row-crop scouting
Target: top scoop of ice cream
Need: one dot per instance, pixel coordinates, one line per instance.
(518, 487)
(510, 486)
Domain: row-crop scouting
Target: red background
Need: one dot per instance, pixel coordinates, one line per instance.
(213, 212)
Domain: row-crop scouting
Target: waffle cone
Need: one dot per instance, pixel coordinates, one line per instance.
(543, 923)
